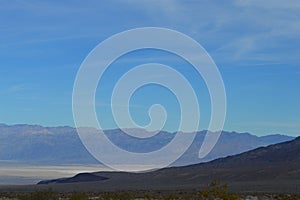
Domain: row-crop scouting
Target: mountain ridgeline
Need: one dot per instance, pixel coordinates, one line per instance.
(33, 144)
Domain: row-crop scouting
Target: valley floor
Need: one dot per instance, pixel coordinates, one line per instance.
(31, 174)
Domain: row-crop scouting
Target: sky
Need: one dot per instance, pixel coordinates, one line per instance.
(255, 44)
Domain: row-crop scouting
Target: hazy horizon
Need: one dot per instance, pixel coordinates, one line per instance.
(116, 128)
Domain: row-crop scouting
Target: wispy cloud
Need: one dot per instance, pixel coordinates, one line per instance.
(235, 31)
(15, 88)
(270, 4)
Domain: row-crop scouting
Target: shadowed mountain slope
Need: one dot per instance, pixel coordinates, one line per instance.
(271, 168)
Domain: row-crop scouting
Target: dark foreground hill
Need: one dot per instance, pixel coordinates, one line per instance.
(275, 168)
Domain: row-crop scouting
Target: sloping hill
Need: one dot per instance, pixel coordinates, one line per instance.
(274, 168)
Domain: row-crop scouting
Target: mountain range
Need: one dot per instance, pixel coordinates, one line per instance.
(34, 144)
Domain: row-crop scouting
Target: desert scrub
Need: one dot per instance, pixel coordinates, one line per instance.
(215, 190)
(117, 196)
(79, 196)
(39, 195)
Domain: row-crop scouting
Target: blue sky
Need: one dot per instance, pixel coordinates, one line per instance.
(255, 44)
